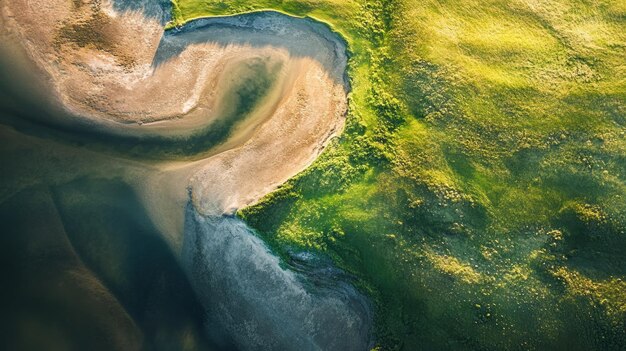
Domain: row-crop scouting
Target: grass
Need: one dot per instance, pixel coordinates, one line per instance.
(479, 189)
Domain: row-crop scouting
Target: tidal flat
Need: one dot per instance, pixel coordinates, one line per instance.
(117, 207)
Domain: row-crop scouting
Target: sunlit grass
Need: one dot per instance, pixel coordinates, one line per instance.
(479, 189)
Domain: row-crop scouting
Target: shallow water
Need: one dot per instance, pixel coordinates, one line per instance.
(253, 303)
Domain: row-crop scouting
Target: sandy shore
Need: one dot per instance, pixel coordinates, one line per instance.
(269, 88)
(120, 72)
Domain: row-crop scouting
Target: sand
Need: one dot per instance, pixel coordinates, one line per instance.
(118, 71)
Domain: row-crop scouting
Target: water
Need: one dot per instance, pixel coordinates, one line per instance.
(86, 230)
(253, 303)
(85, 267)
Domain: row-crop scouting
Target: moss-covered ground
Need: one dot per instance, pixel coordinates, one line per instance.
(479, 190)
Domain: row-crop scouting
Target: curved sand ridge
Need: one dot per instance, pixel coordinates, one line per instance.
(115, 69)
(107, 66)
(120, 72)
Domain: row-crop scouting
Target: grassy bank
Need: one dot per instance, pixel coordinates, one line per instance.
(479, 189)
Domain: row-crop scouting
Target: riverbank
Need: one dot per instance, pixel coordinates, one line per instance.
(256, 97)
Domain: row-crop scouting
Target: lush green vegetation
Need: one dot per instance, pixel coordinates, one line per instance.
(479, 189)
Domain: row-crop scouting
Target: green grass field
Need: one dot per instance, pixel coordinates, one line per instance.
(479, 190)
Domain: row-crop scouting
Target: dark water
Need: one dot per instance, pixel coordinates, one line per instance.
(84, 268)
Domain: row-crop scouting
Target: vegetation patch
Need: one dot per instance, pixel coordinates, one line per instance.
(478, 189)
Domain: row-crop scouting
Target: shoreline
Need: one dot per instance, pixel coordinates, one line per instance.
(275, 143)
(336, 35)
(281, 132)
(161, 129)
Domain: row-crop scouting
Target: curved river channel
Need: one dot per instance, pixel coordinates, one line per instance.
(121, 171)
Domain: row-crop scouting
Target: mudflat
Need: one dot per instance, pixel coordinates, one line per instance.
(118, 134)
(261, 94)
